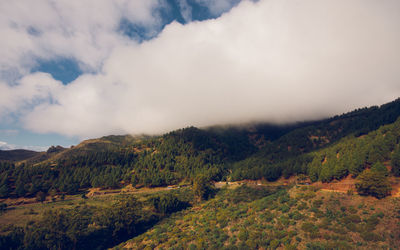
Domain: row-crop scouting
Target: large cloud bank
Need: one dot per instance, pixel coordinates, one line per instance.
(272, 60)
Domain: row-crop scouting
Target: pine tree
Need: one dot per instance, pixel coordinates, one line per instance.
(4, 191)
(396, 162)
(201, 187)
(373, 183)
(20, 189)
(40, 196)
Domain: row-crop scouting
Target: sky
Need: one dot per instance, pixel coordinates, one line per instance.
(72, 70)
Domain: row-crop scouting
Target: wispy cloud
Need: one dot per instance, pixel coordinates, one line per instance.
(186, 10)
(6, 146)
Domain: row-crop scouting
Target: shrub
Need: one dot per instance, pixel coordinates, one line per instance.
(369, 236)
(396, 162)
(243, 235)
(309, 227)
(202, 187)
(285, 208)
(296, 215)
(352, 210)
(317, 203)
(380, 168)
(168, 203)
(315, 246)
(40, 196)
(325, 223)
(302, 206)
(274, 244)
(3, 207)
(351, 218)
(371, 223)
(245, 193)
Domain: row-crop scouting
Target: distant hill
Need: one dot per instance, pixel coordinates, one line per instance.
(17, 154)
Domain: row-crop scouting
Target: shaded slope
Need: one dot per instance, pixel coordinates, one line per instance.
(17, 154)
(288, 154)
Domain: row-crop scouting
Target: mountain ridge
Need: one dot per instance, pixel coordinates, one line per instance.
(218, 152)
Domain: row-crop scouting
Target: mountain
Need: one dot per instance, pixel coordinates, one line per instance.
(244, 212)
(251, 151)
(17, 154)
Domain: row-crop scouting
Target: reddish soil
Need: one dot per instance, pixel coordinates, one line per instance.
(395, 186)
(341, 186)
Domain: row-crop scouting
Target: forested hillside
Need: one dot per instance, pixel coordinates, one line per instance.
(349, 144)
(136, 170)
(350, 155)
(293, 153)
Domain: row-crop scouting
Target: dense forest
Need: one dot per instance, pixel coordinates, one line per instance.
(350, 155)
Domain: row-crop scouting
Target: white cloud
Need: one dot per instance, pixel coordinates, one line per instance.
(29, 91)
(3, 145)
(83, 30)
(276, 61)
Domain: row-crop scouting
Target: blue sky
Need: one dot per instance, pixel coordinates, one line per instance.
(73, 70)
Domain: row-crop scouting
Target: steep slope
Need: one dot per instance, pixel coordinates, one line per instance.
(378, 150)
(352, 155)
(289, 154)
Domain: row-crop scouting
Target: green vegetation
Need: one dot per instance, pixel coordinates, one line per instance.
(202, 187)
(86, 226)
(192, 213)
(329, 149)
(396, 162)
(373, 183)
(112, 162)
(272, 217)
(325, 150)
(3, 207)
(168, 203)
